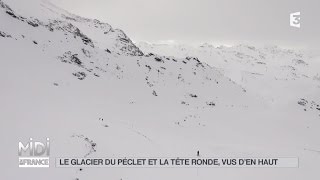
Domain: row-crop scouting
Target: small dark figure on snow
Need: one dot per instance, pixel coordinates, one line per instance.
(198, 153)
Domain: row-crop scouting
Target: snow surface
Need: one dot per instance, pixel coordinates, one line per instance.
(60, 74)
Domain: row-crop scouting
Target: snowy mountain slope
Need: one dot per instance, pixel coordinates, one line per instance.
(98, 95)
(256, 68)
(68, 44)
(54, 18)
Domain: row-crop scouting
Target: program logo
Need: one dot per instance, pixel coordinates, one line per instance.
(34, 154)
(295, 19)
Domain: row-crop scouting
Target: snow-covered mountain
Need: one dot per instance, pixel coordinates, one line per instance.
(290, 73)
(81, 82)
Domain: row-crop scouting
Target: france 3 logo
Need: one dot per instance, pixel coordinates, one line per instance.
(295, 19)
(34, 154)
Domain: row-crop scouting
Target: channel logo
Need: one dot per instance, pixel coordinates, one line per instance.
(34, 153)
(295, 19)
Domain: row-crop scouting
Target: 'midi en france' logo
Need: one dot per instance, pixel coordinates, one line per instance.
(34, 154)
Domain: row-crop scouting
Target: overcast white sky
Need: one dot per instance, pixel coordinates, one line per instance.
(196, 21)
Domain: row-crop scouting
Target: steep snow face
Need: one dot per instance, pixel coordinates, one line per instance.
(80, 82)
(43, 13)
